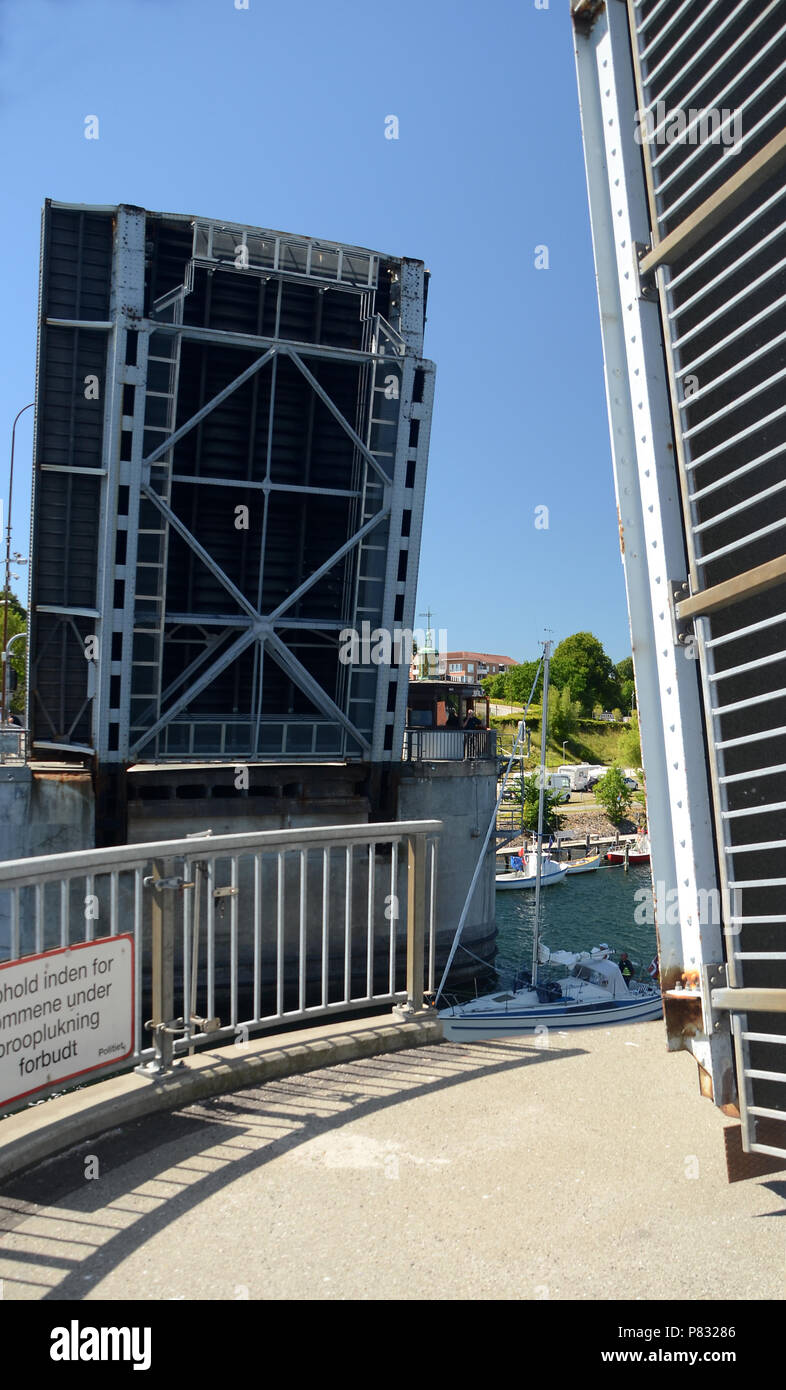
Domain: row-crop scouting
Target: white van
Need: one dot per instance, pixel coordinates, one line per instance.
(577, 773)
(559, 782)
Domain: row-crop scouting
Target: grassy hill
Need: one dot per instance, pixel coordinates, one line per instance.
(595, 741)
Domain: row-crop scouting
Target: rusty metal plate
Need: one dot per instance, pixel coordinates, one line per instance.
(741, 1166)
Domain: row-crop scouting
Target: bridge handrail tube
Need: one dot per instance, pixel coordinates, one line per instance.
(43, 868)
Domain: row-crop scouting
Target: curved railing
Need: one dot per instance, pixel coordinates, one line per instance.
(231, 934)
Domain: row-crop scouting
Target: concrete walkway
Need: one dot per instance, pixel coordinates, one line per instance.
(588, 1170)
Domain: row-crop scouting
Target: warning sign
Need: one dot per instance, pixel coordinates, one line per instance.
(64, 1013)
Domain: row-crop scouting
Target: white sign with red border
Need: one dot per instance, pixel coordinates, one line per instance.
(65, 1013)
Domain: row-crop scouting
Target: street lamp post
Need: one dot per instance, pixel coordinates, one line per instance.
(3, 710)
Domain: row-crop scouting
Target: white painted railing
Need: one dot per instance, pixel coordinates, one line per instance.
(235, 934)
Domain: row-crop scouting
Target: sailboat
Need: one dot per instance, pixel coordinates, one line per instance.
(592, 991)
(523, 871)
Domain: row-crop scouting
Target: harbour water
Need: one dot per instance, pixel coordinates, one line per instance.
(579, 913)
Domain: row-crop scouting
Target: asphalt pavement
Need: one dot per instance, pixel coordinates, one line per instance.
(590, 1168)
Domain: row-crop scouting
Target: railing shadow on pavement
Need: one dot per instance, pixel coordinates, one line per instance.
(274, 1118)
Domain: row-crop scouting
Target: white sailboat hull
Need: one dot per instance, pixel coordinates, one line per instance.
(461, 1024)
(594, 993)
(521, 880)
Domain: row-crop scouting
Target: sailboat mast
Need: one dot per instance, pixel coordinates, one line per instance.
(541, 797)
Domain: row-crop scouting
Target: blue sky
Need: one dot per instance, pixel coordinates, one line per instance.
(275, 116)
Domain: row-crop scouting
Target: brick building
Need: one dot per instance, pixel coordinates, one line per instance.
(474, 666)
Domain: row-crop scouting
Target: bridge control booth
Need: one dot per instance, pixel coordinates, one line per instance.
(437, 713)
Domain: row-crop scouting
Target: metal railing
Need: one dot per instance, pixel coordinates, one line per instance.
(13, 743)
(269, 250)
(222, 738)
(235, 934)
(448, 745)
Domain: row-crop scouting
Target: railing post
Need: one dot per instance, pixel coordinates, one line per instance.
(163, 948)
(162, 967)
(416, 922)
(432, 915)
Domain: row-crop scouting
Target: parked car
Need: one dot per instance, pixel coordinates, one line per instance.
(630, 782)
(558, 782)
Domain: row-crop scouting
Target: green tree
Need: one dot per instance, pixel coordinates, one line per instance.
(630, 744)
(612, 794)
(518, 683)
(494, 686)
(17, 622)
(552, 820)
(581, 663)
(627, 685)
(563, 714)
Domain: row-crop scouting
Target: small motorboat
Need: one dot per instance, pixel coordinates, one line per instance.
(523, 871)
(592, 992)
(583, 866)
(638, 852)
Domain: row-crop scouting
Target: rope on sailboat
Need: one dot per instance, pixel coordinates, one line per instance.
(492, 824)
(486, 964)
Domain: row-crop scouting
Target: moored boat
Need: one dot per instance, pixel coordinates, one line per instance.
(524, 872)
(592, 992)
(595, 989)
(583, 866)
(638, 852)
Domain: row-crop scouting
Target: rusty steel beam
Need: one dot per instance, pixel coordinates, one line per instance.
(741, 1166)
(734, 590)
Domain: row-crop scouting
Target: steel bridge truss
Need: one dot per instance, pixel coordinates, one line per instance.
(261, 482)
